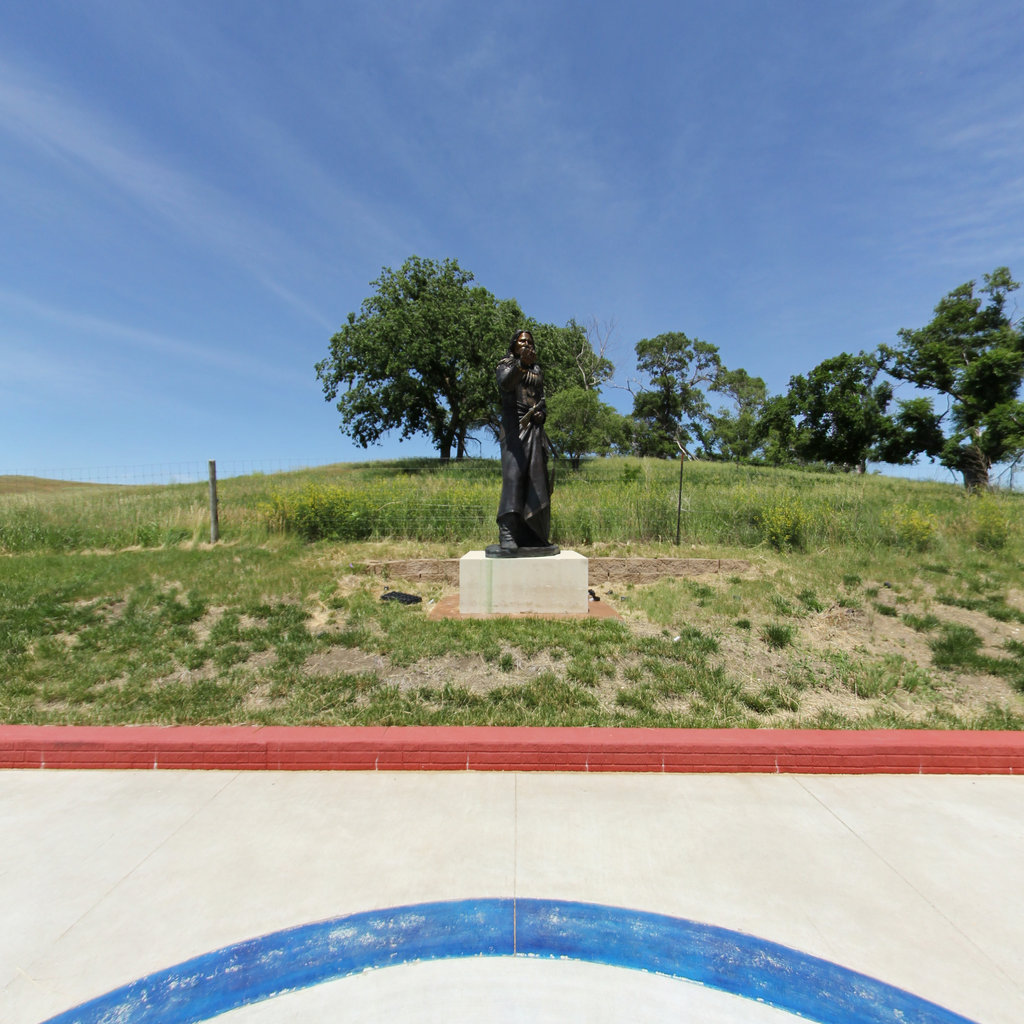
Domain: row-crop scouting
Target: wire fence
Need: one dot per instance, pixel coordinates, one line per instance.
(1002, 477)
(157, 472)
(617, 500)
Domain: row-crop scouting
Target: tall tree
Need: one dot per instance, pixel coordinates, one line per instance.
(972, 354)
(579, 424)
(671, 405)
(840, 409)
(732, 433)
(776, 432)
(419, 357)
(568, 361)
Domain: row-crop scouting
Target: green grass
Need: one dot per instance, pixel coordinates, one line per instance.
(777, 635)
(921, 623)
(609, 501)
(993, 605)
(960, 647)
(113, 608)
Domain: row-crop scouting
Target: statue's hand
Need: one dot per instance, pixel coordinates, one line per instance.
(539, 416)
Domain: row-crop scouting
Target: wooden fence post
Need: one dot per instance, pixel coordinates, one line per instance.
(214, 519)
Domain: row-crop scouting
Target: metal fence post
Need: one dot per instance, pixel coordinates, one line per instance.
(679, 506)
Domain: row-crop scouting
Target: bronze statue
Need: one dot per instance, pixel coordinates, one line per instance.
(524, 511)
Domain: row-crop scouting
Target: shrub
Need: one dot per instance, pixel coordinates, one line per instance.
(784, 525)
(990, 524)
(318, 512)
(911, 528)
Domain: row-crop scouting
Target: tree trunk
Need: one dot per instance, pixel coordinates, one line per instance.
(974, 466)
(975, 478)
(460, 451)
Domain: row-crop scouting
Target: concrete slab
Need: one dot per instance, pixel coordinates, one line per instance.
(915, 882)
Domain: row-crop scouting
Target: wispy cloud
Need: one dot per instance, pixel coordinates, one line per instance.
(86, 141)
(82, 324)
(32, 376)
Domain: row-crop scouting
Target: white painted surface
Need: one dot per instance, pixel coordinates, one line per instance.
(508, 991)
(553, 585)
(108, 876)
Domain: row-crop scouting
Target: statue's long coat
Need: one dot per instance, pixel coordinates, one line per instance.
(525, 481)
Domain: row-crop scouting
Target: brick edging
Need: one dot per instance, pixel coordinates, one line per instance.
(416, 748)
(599, 570)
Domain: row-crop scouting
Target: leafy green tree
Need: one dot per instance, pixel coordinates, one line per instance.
(732, 433)
(419, 357)
(671, 407)
(972, 354)
(568, 357)
(579, 424)
(915, 431)
(840, 409)
(776, 432)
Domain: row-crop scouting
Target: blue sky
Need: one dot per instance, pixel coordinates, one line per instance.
(197, 193)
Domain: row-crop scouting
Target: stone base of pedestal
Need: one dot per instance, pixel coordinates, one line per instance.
(556, 585)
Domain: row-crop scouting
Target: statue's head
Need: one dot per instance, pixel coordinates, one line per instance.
(524, 338)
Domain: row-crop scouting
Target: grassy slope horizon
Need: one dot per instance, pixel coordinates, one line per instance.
(871, 602)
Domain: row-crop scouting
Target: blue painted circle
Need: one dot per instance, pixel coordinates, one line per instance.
(312, 954)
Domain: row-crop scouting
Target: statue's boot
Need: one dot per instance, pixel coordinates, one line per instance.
(505, 539)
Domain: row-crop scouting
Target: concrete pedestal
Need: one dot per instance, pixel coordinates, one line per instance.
(556, 585)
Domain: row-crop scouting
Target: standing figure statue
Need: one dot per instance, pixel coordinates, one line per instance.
(524, 512)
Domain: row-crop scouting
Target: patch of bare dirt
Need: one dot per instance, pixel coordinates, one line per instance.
(258, 698)
(471, 672)
(187, 675)
(203, 627)
(110, 609)
(343, 661)
(261, 659)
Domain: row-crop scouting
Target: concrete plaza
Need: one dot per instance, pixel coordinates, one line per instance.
(106, 877)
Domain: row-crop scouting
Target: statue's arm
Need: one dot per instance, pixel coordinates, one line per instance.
(510, 373)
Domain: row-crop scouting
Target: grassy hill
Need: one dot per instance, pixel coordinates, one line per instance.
(871, 602)
(13, 484)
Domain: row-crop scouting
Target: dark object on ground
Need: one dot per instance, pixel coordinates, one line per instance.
(593, 596)
(397, 595)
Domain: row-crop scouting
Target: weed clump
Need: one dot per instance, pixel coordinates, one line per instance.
(991, 526)
(785, 524)
(956, 647)
(911, 528)
(777, 635)
(319, 512)
(921, 623)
